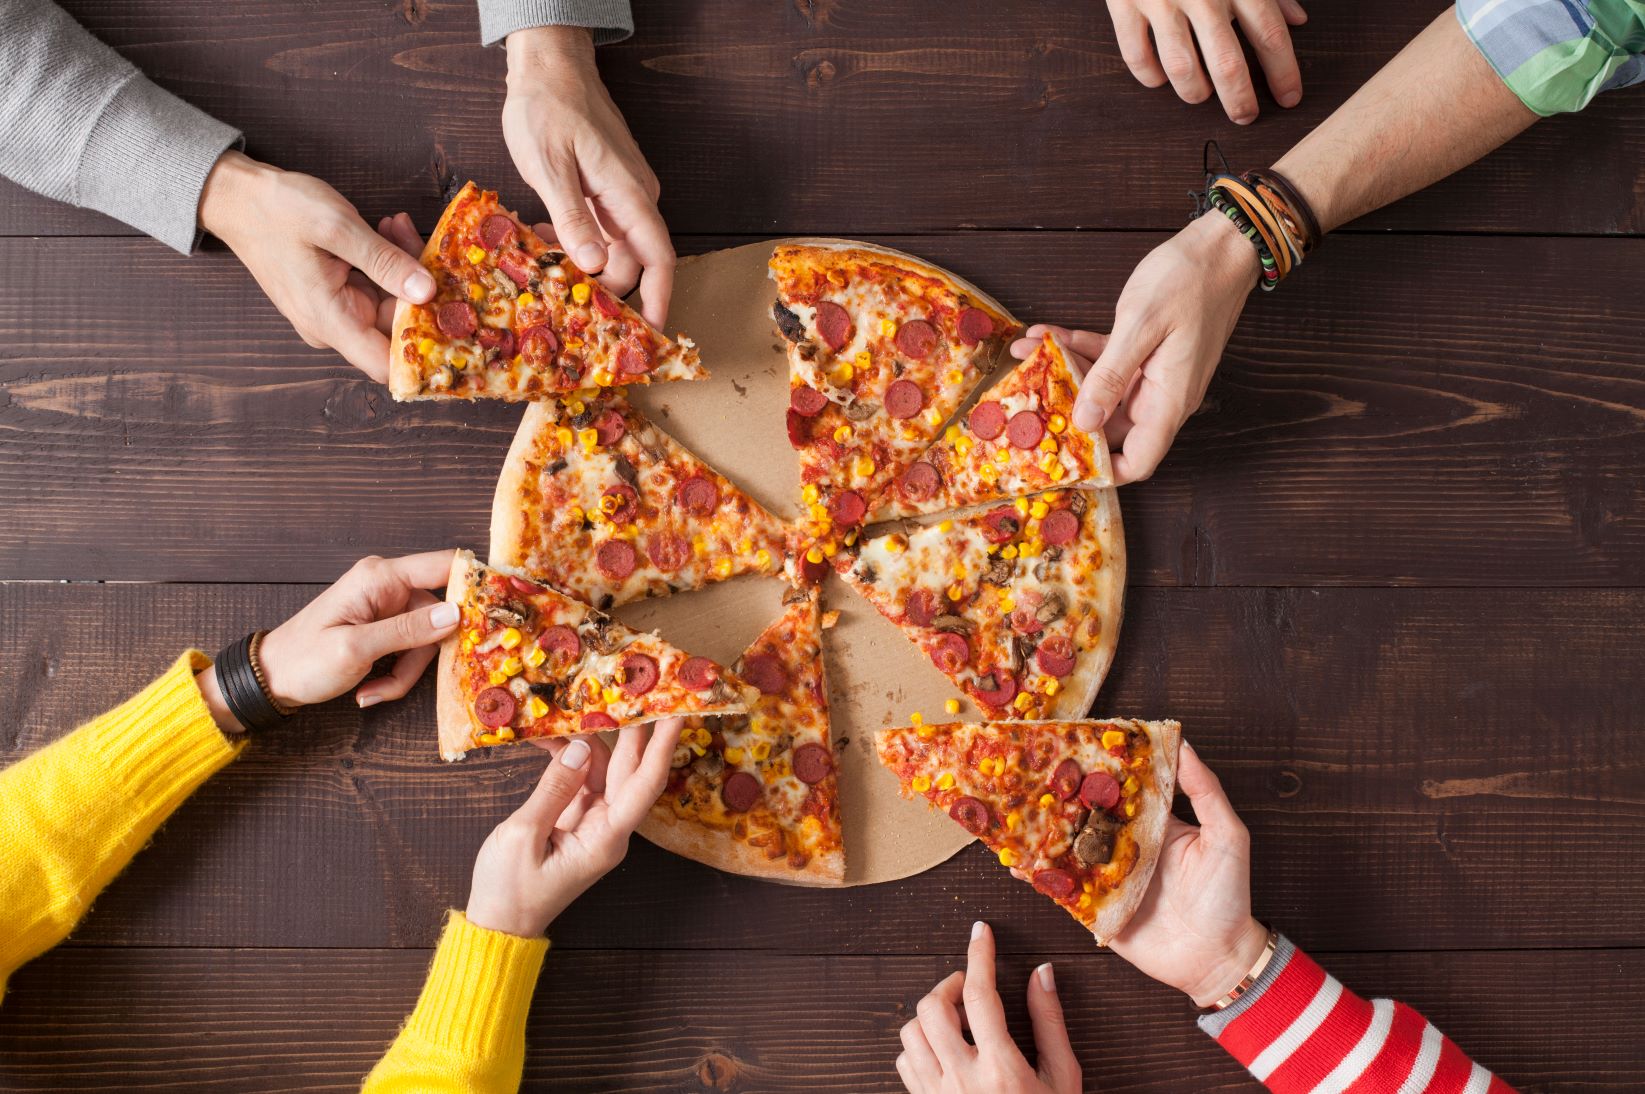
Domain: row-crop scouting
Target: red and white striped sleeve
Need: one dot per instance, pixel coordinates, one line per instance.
(1299, 1031)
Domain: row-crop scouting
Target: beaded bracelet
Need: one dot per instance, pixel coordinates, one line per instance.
(1266, 209)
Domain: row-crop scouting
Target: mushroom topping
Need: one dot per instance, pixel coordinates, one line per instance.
(1077, 503)
(953, 624)
(1094, 846)
(1052, 608)
(625, 471)
(509, 614)
(999, 572)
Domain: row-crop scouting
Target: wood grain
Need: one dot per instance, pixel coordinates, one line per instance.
(1407, 786)
(843, 117)
(1400, 415)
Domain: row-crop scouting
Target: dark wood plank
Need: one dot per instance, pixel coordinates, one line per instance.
(1400, 415)
(846, 117)
(1408, 784)
(723, 1020)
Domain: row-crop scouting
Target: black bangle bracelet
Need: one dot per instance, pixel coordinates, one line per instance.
(250, 703)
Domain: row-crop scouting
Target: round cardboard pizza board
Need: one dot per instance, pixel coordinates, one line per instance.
(876, 677)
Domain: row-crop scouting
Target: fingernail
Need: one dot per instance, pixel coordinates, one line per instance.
(368, 700)
(1290, 98)
(420, 284)
(443, 614)
(977, 928)
(590, 255)
(575, 755)
(1048, 982)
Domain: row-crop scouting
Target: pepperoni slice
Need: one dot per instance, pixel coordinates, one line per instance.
(699, 673)
(740, 792)
(951, 652)
(633, 359)
(904, 399)
(1025, 429)
(494, 707)
(1056, 656)
(813, 572)
(1037, 754)
(625, 505)
(456, 319)
(807, 401)
(1054, 883)
(524, 587)
(609, 428)
(606, 303)
(500, 340)
(920, 482)
(639, 674)
(1060, 528)
(974, 325)
(598, 719)
(560, 639)
(848, 508)
(999, 525)
(497, 229)
(1025, 621)
(1066, 779)
(765, 672)
(1099, 790)
(812, 763)
(669, 551)
(539, 343)
(833, 325)
(922, 607)
(972, 814)
(1005, 689)
(987, 420)
(616, 559)
(698, 494)
(516, 269)
(799, 429)
(916, 338)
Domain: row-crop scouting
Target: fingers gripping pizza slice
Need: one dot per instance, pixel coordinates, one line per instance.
(527, 661)
(757, 793)
(512, 318)
(882, 350)
(1019, 439)
(597, 501)
(1076, 809)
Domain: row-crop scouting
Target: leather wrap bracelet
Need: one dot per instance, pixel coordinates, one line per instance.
(245, 688)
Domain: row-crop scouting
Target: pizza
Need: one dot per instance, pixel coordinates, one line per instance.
(1018, 604)
(513, 318)
(1018, 439)
(526, 661)
(758, 793)
(598, 502)
(882, 350)
(1076, 809)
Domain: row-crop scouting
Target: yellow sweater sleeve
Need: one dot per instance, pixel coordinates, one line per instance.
(467, 1034)
(74, 813)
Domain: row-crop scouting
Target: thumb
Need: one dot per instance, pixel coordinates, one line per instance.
(1205, 793)
(1056, 1056)
(385, 263)
(1109, 377)
(406, 631)
(574, 224)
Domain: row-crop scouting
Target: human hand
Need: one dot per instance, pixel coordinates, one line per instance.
(1177, 23)
(320, 264)
(936, 1059)
(1171, 323)
(1194, 929)
(570, 144)
(572, 829)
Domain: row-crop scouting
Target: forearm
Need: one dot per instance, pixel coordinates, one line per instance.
(608, 20)
(1432, 110)
(80, 124)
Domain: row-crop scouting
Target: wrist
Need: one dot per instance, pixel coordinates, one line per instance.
(211, 690)
(277, 665)
(504, 922)
(1226, 972)
(1224, 247)
(229, 191)
(545, 50)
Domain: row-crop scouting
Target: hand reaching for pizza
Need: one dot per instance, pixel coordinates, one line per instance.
(1194, 930)
(937, 1059)
(570, 143)
(1171, 325)
(572, 829)
(321, 265)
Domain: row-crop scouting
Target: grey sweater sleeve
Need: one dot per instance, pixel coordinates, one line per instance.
(610, 20)
(80, 124)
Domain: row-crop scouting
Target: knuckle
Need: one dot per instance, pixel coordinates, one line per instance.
(1177, 64)
(1271, 36)
(1228, 62)
(1106, 383)
(927, 1006)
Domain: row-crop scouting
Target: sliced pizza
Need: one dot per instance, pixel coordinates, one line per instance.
(1077, 809)
(757, 793)
(1019, 439)
(527, 661)
(882, 350)
(512, 318)
(597, 501)
(1018, 604)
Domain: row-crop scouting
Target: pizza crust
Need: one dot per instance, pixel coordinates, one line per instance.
(508, 527)
(405, 380)
(718, 848)
(450, 712)
(1148, 829)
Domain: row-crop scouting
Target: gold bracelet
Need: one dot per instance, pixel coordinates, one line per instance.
(262, 681)
(1249, 978)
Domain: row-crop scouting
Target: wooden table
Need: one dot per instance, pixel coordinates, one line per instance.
(1391, 578)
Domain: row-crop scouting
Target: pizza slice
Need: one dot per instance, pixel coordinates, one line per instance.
(1076, 809)
(527, 661)
(757, 793)
(512, 318)
(598, 502)
(1019, 605)
(882, 350)
(1018, 439)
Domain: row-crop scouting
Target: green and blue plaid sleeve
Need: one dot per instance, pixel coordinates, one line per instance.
(1556, 55)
